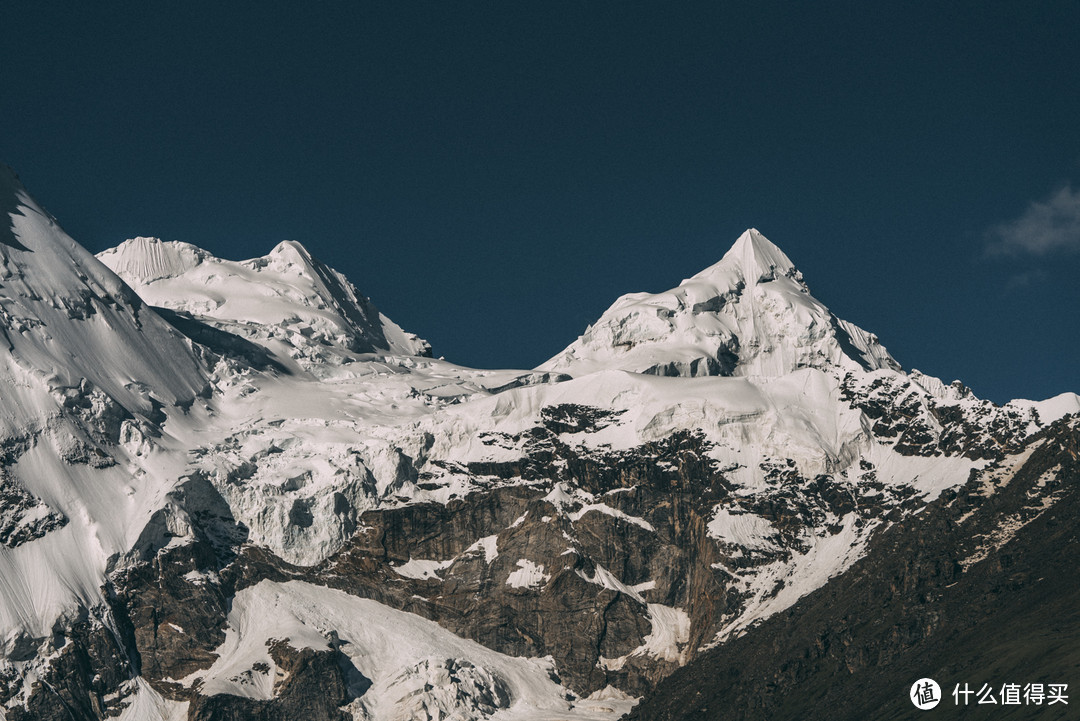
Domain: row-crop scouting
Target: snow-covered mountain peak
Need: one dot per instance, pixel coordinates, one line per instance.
(90, 373)
(62, 309)
(749, 314)
(292, 252)
(157, 489)
(290, 258)
(753, 259)
(287, 300)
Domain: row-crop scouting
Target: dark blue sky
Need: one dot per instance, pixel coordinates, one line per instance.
(494, 175)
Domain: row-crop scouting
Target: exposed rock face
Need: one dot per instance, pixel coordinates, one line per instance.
(312, 685)
(621, 590)
(23, 517)
(980, 587)
(927, 419)
(81, 681)
(175, 605)
(279, 507)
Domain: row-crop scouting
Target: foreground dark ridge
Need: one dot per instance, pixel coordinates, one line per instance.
(913, 608)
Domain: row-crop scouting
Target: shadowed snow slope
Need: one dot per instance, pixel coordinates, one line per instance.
(86, 367)
(750, 314)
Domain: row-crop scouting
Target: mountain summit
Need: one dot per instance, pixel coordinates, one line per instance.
(287, 300)
(235, 489)
(749, 314)
(67, 320)
(755, 258)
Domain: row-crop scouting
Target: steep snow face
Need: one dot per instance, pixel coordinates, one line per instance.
(89, 371)
(287, 300)
(800, 417)
(144, 260)
(748, 315)
(67, 321)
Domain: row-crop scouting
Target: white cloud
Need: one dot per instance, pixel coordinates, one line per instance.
(1046, 227)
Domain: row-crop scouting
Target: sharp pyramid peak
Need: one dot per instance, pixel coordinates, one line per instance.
(715, 323)
(755, 258)
(752, 245)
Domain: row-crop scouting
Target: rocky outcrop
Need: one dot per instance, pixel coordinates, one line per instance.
(622, 566)
(176, 606)
(311, 684)
(603, 561)
(24, 517)
(978, 588)
(90, 664)
(950, 422)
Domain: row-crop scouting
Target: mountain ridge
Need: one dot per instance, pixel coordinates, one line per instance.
(305, 302)
(696, 463)
(748, 314)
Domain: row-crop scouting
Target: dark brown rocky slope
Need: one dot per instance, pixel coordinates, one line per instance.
(976, 599)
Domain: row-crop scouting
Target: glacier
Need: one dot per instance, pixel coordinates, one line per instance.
(264, 428)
